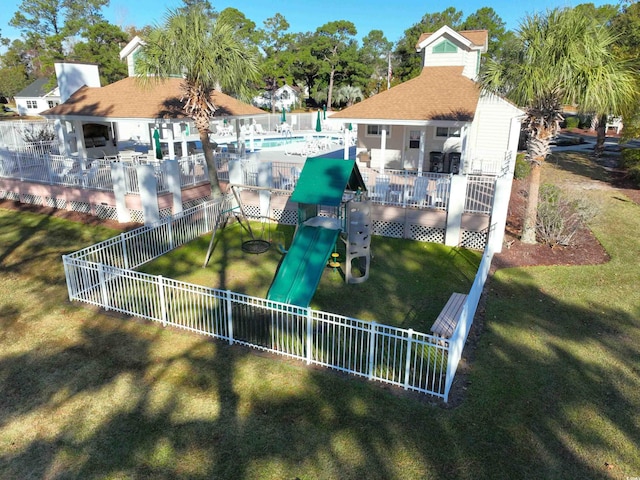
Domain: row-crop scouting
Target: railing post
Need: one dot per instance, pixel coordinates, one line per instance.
(309, 336)
(103, 287)
(67, 275)
(372, 345)
(170, 233)
(407, 366)
(125, 255)
(229, 316)
(206, 208)
(163, 304)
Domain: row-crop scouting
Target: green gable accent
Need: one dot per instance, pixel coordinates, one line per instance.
(324, 180)
(445, 46)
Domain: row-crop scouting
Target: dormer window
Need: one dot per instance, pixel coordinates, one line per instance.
(445, 46)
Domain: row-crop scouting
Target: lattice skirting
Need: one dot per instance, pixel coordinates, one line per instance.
(426, 234)
(474, 240)
(106, 212)
(388, 229)
(59, 203)
(137, 216)
(10, 195)
(194, 202)
(83, 207)
(31, 199)
(165, 212)
(286, 217)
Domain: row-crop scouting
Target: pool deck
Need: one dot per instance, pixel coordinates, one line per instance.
(277, 154)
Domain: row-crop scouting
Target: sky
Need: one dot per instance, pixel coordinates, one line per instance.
(392, 17)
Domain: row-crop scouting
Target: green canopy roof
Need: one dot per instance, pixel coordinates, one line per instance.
(324, 180)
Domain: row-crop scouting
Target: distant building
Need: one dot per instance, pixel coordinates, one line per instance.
(285, 97)
(37, 97)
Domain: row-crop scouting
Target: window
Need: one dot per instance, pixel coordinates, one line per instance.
(32, 104)
(52, 103)
(376, 130)
(447, 132)
(445, 47)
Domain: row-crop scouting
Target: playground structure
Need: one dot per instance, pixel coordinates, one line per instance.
(336, 183)
(323, 182)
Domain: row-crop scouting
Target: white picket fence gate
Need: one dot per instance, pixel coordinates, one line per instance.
(103, 275)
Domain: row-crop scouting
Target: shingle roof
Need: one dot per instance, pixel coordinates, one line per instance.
(36, 89)
(438, 93)
(127, 98)
(477, 37)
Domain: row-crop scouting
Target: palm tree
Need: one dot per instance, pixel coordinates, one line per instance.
(561, 57)
(208, 56)
(348, 94)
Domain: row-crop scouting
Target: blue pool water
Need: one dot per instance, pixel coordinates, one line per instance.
(273, 142)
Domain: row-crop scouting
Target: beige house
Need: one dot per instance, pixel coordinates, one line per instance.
(99, 121)
(440, 121)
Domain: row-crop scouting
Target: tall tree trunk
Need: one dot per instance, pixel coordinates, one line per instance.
(330, 93)
(531, 210)
(207, 149)
(601, 131)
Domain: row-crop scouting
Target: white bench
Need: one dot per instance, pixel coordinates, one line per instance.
(446, 322)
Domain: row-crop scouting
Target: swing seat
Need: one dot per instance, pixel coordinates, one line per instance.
(255, 246)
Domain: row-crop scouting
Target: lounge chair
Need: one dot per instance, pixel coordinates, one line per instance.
(438, 192)
(258, 129)
(419, 193)
(381, 189)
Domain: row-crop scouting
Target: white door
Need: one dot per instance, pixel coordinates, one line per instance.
(412, 150)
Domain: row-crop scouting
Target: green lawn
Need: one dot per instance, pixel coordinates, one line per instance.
(409, 282)
(553, 390)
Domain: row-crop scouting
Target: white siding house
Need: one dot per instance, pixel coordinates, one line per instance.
(37, 98)
(285, 97)
(440, 121)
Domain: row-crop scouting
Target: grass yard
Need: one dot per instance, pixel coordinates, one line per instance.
(553, 390)
(409, 282)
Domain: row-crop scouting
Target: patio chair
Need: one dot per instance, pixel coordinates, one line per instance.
(438, 191)
(258, 129)
(59, 176)
(381, 189)
(284, 182)
(295, 174)
(419, 193)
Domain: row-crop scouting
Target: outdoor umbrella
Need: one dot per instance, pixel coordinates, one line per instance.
(284, 115)
(324, 111)
(156, 140)
(318, 123)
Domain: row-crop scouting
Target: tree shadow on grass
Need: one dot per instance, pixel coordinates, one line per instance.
(132, 400)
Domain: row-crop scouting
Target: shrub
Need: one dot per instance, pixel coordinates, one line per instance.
(37, 134)
(631, 161)
(559, 218)
(522, 168)
(572, 122)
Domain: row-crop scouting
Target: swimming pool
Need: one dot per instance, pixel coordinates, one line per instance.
(277, 143)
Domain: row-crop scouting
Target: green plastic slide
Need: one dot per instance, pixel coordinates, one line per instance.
(299, 274)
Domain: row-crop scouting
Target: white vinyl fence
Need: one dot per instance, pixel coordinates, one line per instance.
(102, 275)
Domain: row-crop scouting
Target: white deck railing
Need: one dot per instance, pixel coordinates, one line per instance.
(95, 174)
(103, 275)
(399, 188)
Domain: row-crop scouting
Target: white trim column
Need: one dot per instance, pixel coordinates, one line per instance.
(423, 138)
(118, 177)
(502, 194)
(457, 196)
(171, 139)
(383, 148)
(82, 150)
(172, 176)
(148, 186)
